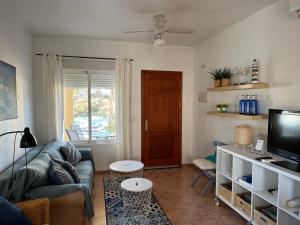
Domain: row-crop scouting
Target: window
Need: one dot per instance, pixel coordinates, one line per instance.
(89, 105)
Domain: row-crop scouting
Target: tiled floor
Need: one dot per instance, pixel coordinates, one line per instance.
(182, 204)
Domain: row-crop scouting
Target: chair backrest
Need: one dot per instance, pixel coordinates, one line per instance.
(78, 130)
(72, 134)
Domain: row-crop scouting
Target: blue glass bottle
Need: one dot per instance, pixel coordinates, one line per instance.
(254, 106)
(242, 105)
(247, 105)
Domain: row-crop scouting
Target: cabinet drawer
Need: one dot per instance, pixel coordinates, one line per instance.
(261, 219)
(242, 205)
(225, 193)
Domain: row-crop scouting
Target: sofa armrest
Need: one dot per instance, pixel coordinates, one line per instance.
(87, 154)
(53, 191)
(60, 191)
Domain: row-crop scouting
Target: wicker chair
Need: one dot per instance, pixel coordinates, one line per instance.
(36, 210)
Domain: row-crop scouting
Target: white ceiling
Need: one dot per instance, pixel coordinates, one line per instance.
(107, 19)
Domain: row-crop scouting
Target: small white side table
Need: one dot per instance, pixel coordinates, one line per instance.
(136, 194)
(126, 169)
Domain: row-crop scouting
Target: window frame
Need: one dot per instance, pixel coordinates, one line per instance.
(89, 74)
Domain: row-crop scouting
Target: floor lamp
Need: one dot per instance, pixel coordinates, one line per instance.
(27, 141)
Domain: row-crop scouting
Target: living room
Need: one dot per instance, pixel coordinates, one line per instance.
(101, 75)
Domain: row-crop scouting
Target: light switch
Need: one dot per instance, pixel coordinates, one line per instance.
(202, 97)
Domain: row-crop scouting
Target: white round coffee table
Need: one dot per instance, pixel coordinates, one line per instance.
(126, 169)
(136, 195)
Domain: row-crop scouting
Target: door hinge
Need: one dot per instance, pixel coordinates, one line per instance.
(146, 125)
(179, 104)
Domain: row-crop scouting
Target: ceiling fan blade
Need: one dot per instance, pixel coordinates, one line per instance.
(138, 31)
(180, 31)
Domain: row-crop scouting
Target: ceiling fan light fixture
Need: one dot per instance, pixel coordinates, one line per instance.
(161, 29)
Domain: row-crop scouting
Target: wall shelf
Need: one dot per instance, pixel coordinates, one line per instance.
(241, 87)
(238, 116)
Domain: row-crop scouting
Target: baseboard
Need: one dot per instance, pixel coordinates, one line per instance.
(168, 167)
(187, 164)
(101, 172)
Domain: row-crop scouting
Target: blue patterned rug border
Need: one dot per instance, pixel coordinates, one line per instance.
(112, 196)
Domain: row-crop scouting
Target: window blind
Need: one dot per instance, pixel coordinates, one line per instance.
(99, 78)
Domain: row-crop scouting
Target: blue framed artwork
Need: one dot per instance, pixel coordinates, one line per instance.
(8, 92)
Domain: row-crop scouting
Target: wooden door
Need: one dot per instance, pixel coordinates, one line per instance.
(161, 118)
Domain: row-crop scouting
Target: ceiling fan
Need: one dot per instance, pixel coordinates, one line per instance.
(160, 29)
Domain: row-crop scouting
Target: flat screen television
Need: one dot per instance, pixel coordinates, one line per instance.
(284, 136)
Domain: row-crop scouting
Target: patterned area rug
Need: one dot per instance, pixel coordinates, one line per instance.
(115, 211)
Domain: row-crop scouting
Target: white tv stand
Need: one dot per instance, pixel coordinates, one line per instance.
(234, 161)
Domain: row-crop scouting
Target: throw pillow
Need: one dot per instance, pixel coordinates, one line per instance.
(212, 158)
(71, 169)
(58, 175)
(71, 154)
(11, 215)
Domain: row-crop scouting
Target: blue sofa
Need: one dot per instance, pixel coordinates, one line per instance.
(66, 200)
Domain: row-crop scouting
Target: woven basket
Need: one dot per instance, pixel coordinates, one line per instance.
(36, 210)
(243, 135)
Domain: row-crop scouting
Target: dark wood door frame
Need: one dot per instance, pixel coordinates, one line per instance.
(143, 134)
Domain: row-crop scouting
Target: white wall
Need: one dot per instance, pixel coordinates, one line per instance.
(145, 56)
(273, 36)
(16, 49)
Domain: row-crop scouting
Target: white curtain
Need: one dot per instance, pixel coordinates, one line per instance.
(123, 108)
(51, 81)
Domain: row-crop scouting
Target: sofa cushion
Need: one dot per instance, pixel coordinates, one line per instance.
(70, 168)
(85, 171)
(71, 154)
(58, 175)
(53, 149)
(11, 215)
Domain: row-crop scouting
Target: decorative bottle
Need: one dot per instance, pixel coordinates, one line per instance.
(254, 105)
(242, 105)
(247, 105)
(255, 71)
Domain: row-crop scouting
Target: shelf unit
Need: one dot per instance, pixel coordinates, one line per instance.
(238, 116)
(234, 162)
(241, 87)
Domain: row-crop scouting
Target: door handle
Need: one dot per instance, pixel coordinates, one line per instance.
(146, 125)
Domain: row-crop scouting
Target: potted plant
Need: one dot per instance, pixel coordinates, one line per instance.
(224, 108)
(216, 75)
(226, 75)
(219, 107)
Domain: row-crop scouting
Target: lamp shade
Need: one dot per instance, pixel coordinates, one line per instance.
(243, 135)
(27, 140)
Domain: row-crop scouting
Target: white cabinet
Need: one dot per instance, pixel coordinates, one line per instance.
(234, 162)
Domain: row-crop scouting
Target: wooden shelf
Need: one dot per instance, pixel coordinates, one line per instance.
(241, 87)
(238, 116)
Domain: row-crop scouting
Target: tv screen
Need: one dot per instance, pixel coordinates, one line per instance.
(284, 133)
